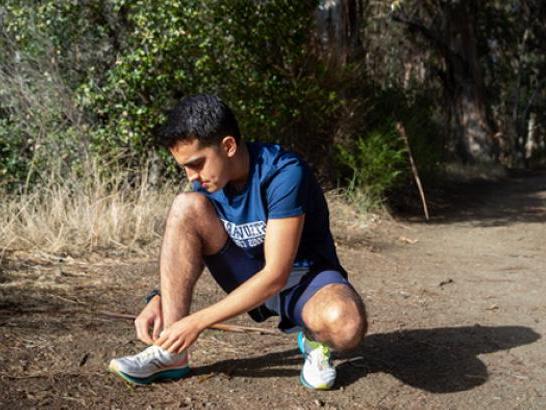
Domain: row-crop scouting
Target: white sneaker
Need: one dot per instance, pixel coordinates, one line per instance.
(318, 372)
(152, 364)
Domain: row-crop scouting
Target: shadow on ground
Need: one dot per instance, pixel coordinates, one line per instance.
(518, 198)
(438, 360)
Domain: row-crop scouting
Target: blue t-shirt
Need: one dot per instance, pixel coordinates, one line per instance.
(280, 185)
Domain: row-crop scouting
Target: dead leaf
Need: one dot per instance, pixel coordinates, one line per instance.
(408, 240)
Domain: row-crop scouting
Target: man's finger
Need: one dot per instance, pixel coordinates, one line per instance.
(181, 348)
(137, 329)
(175, 346)
(167, 343)
(157, 328)
(142, 332)
(162, 337)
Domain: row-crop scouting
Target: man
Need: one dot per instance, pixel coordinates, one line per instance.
(258, 220)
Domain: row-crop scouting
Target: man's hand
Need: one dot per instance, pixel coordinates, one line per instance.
(150, 316)
(181, 334)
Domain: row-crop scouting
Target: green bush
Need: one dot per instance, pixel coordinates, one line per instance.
(376, 162)
(99, 76)
(372, 166)
(253, 54)
(128, 61)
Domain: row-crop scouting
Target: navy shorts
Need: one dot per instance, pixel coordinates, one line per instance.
(232, 266)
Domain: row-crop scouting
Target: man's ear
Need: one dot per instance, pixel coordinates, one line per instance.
(229, 145)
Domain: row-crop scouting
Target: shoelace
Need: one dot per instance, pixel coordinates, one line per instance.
(148, 353)
(321, 355)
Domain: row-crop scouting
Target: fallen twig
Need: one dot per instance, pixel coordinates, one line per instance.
(219, 326)
(402, 131)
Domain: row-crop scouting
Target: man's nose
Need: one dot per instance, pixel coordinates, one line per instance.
(192, 175)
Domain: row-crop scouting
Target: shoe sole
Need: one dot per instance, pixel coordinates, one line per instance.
(302, 379)
(171, 374)
(308, 386)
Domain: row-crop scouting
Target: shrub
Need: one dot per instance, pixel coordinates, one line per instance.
(127, 61)
(375, 162)
(372, 166)
(255, 55)
(40, 122)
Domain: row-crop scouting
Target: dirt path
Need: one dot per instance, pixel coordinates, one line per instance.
(457, 310)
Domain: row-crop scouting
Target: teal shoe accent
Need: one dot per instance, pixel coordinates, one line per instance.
(301, 343)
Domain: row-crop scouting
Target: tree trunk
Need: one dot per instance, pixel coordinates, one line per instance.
(451, 32)
(474, 126)
(338, 28)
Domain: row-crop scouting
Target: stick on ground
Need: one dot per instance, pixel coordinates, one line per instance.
(219, 326)
(402, 131)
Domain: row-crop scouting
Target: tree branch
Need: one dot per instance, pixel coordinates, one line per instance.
(427, 32)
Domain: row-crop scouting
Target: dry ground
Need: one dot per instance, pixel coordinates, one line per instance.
(457, 310)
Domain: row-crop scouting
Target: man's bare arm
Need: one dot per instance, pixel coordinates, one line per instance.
(281, 245)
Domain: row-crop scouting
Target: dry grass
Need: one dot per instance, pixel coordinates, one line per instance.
(348, 220)
(77, 215)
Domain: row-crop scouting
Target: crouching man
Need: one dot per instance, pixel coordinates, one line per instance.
(258, 220)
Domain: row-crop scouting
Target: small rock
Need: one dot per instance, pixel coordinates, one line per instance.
(446, 282)
(405, 295)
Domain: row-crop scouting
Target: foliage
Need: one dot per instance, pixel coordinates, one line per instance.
(39, 120)
(506, 68)
(377, 161)
(375, 164)
(85, 211)
(91, 79)
(253, 54)
(126, 62)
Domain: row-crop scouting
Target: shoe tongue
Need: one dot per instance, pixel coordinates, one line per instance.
(146, 354)
(318, 346)
(165, 355)
(319, 356)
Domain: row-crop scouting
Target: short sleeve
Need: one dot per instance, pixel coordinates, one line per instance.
(286, 190)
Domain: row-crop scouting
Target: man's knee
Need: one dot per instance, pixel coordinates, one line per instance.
(341, 318)
(190, 205)
(194, 215)
(346, 324)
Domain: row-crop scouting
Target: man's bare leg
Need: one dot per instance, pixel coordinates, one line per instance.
(335, 315)
(192, 230)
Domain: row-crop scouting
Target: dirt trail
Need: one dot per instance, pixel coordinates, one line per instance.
(457, 310)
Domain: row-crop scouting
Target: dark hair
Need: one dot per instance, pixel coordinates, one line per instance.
(203, 117)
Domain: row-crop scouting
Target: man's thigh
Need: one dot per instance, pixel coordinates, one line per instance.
(311, 296)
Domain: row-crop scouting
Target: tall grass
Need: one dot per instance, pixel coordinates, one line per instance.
(77, 214)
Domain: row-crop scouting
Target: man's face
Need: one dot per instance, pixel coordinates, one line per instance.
(207, 165)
